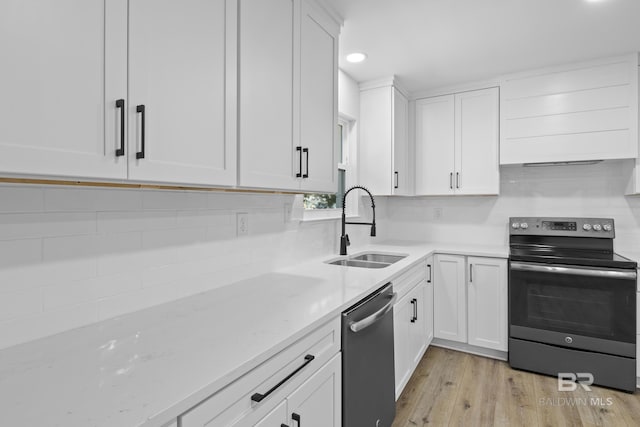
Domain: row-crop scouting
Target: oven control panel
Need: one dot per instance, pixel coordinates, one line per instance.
(576, 227)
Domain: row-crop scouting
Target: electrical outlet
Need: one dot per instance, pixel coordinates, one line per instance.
(242, 223)
(437, 213)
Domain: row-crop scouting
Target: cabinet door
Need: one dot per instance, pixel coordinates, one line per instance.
(435, 130)
(268, 156)
(275, 418)
(487, 302)
(401, 173)
(428, 305)
(63, 68)
(375, 156)
(476, 142)
(450, 320)
(417, 325)
(178, 57)
(317, 402)
(402, 312)
(318, 100)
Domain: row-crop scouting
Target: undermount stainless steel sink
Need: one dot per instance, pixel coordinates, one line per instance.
(368, 260)
(356, 263)
(376, 257)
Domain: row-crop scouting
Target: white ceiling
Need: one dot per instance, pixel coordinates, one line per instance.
(430, 44)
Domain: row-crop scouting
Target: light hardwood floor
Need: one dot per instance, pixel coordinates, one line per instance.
(450, 388)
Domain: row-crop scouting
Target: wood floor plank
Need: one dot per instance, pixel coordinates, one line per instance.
(555, 408)
(459, 389)
(516, 404)
(438, 377)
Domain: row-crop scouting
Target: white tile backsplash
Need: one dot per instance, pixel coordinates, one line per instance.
(581, 191)
(73, 256)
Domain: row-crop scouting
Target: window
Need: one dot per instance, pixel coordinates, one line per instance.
(334, 200)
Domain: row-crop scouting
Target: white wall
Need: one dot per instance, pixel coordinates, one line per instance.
(348, 96)
(582, 191)
(73, 256)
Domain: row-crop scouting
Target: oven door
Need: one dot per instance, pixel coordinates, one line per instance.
(576, 307)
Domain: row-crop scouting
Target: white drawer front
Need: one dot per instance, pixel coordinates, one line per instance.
(410, 278)
(233, 406)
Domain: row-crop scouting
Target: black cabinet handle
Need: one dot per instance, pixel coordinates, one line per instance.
(470, 273)
(457, 179)
(295, 417)
(429, 279)
(451, 180)
(414, 317)
(257, 397)
(299, 174)
(140, 154)
(396, 176)
(306, 151)
(120, 105)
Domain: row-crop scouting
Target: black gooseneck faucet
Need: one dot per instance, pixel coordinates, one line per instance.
(344, 238)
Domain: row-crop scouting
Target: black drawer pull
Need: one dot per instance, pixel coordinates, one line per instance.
(295, 417)
(396, 176)
(120, 105)
(299, 174)
(140, 154)
(257, 397)
(414, 317)
(429, 279)
(306, 151)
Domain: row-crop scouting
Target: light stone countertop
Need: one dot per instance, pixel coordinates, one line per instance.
(146, 368)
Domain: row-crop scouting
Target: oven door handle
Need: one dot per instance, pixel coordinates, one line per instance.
(575, 271)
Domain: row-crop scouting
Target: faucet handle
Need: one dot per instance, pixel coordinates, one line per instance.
(346, 237)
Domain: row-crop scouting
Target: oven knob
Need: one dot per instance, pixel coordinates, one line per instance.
(597, 227)
(607, 227)
(524, 225)
(515, 225)
(586, 227)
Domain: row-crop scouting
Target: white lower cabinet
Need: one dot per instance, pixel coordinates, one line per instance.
(277, 417)
(312, 396)
(470, 300)
(318, 402)
(412, 325)
(450, 299)
(487, 303)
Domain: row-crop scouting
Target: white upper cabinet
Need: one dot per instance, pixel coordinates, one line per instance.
(64, 67)
(288, 96)
(268, 156)
(457, 144)
(318, 99)
(384, 142)
(586, 111)
(182, 90)
(435, 138)
(85, 71)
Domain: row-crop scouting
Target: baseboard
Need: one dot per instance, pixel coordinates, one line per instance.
(472, 349)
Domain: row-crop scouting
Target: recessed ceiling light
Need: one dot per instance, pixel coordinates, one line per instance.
(356, 57)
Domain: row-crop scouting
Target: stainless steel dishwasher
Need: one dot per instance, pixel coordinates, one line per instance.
(368, 379)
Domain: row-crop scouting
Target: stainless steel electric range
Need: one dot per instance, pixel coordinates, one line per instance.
(572, 300)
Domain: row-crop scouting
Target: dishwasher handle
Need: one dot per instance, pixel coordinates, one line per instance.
(370, 320)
